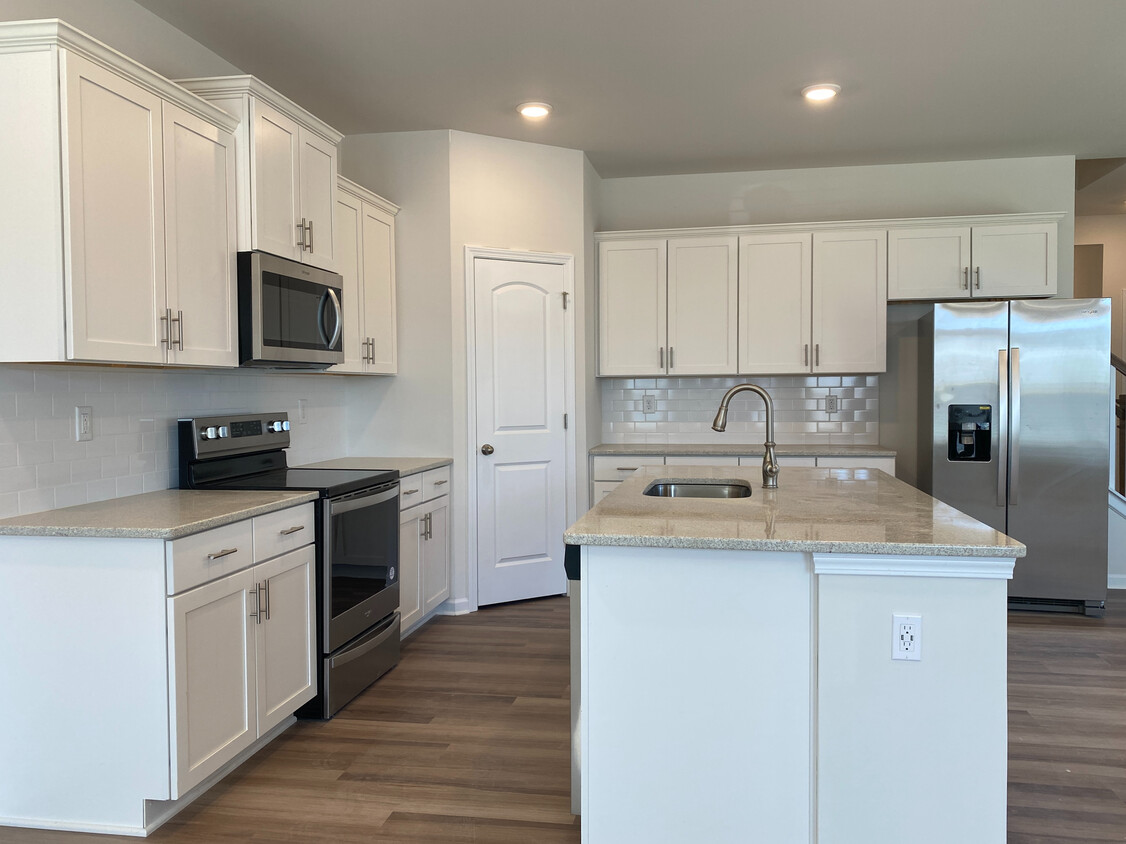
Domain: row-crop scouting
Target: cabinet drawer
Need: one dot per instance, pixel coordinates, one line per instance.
(619, 468)
(435, 482)
(701, 460)
(783, 462)
(410, 490)
(192, 560)
(283, 531)
(884, 464)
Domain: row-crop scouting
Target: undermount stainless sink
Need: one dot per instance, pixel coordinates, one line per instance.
(699, 489)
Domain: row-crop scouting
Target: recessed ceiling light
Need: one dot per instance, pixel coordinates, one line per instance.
(534, 111)
(820, 93)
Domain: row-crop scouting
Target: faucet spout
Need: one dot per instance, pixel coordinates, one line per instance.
(769, 461)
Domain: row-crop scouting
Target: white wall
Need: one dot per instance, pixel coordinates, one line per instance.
(129, 29)
(946, 188)
(1110, 231)
(409, 414)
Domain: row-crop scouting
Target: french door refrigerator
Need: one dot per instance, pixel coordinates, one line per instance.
(1018, 433)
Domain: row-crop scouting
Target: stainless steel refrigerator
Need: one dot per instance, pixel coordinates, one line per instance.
(1018, 434)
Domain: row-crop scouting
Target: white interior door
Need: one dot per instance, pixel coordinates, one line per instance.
(521, 449)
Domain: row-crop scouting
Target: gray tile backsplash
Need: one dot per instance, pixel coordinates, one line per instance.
(135, 413)
(687, 406)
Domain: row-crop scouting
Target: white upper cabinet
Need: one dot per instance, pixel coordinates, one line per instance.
(849, 301)
(775, 303)
(986, 260)
(365, 227)
(287, 170)
(668, 307)
(123, 232)
(199, 197)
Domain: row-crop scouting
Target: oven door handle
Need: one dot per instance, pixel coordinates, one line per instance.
(361, 501)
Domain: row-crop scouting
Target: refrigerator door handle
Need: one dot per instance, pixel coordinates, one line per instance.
(1014, 438)
(1002, 426)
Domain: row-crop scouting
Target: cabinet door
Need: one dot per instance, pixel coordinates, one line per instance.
(775, 304)
(199, 192)
(114, 200)
(632, 307)
(436, 555)
(929, 263)
(601, 489)
(349, 250)
(274, 182)
(285, 637)
(703, 306)
(411, 526)
(318, 199)
(211, 654)
(850, 301)
(379, 290)
(1014, 260)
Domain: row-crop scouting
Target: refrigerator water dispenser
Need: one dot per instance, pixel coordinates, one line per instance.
(968, 434)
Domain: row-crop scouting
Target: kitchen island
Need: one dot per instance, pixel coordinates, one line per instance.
(737, 673)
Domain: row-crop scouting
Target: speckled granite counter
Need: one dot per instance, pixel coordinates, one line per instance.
(854, 511)
(165, 514)
(740, 450)
(405, 465)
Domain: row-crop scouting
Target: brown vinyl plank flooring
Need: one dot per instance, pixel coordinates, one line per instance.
(467, 742)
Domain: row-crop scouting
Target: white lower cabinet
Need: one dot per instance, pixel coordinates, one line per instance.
(240, 652)
(173, 660)
(424, 545)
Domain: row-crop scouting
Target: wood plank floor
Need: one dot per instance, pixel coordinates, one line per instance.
(467, 740)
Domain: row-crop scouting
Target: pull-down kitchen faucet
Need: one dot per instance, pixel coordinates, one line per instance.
(769, 461)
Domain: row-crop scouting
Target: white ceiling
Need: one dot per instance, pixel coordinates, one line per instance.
(650, 87)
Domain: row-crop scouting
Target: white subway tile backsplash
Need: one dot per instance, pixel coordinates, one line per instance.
(135, 412)
(686, 407)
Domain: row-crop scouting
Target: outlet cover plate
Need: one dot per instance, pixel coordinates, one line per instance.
(648, 404)
(83, 424)
(907, 637)
(832, 404)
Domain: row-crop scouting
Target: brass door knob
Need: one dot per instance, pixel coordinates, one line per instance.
(486, 449)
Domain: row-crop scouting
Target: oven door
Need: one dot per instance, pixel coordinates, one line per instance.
(289, 314)
(361, 562)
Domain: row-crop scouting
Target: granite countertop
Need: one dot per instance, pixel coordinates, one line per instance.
(741, 450)
(853, 511)
(405, 465)
(165, 514)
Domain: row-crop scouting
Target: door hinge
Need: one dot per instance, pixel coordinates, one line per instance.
(565, 295)
(564, 421)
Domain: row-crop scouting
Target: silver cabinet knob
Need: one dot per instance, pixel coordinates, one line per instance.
(486, 449)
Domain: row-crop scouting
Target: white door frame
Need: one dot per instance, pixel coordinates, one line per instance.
(567, 262)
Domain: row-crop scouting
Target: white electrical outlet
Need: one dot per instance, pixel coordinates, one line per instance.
(832, 404)
(648, 404)
(907, 637)
(83, 424)
(302, 417)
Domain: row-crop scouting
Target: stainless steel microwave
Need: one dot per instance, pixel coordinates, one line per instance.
(289, 315)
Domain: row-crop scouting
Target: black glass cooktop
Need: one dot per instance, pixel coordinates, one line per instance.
(326, 481)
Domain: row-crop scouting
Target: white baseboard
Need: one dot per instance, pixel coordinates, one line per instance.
(456, 606)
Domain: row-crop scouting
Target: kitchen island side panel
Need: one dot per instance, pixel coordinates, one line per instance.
(911, 751)
(696, 695)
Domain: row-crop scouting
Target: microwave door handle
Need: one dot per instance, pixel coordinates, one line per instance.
(329, 296)
(339, 319)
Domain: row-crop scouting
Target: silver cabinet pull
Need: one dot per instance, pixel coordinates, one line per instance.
(257, 614)
(165, 329)
(409, 491)
(422, 527)
(267, 585)
(977, 274)
(293, 529)
(429, 525)
(805, 356)
(178, 321)
(627, 468)
(965, 278)
(309, 231)
(662, 365)
(226, 552)
(816, 354)
(671, 364)
(439, 483)
(371, 350)
(301, 234)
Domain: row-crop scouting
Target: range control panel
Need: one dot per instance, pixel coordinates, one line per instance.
(214, 436)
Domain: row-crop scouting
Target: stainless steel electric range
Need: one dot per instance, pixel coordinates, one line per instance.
(357, 542)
